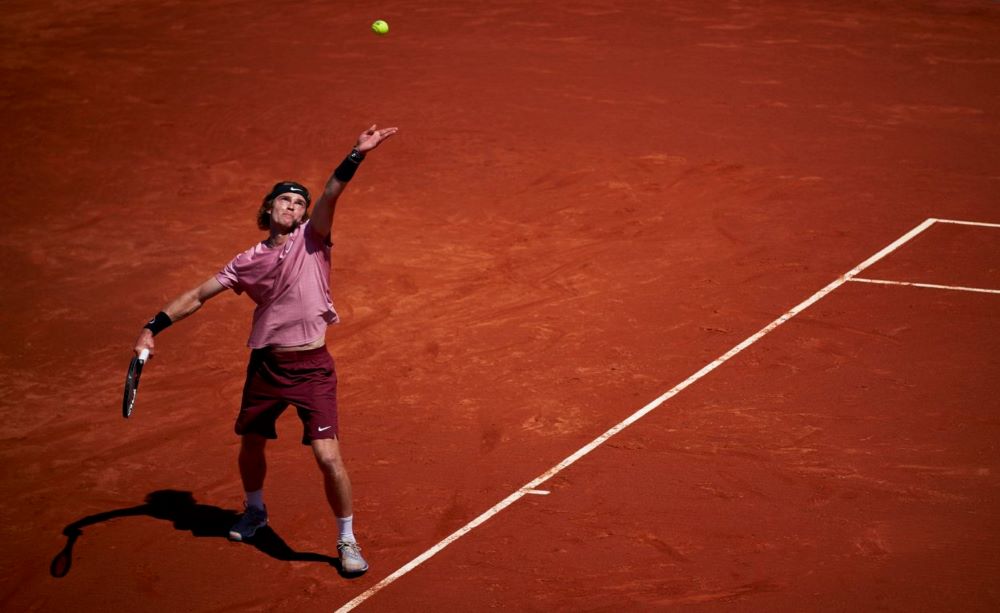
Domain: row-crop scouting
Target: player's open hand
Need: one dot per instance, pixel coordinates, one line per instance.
(372, 137)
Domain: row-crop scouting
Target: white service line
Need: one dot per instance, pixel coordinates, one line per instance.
(930, 285)
(534, 483)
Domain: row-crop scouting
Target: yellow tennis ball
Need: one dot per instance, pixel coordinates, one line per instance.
(380, 27)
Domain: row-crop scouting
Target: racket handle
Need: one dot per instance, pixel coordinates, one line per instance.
(143, 355)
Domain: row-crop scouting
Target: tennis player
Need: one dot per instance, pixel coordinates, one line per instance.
(288, 277)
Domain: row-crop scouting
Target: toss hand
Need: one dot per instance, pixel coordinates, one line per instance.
(373, 137)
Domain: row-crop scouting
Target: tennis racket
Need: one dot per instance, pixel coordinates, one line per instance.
(132, 382)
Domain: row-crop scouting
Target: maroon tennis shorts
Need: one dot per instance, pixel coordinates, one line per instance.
(276, 379)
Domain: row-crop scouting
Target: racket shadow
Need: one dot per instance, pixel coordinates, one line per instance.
(201, 520)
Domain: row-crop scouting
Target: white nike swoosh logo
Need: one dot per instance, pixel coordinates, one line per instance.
(326, 428)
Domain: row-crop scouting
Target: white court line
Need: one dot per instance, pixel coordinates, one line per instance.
(930, 285)
(969, 223)
(534, 483)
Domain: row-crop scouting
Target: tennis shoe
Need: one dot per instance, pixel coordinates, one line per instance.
(351, 560)
(253, 519)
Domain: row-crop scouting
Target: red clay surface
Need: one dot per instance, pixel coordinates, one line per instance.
(585, 204)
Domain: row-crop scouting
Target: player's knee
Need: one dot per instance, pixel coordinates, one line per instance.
(252, 443)
(332, 464)
(252, 454)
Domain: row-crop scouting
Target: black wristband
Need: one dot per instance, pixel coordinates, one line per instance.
(159, 323)
(346, 170)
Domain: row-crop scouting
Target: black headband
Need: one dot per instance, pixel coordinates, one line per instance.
(289, 186)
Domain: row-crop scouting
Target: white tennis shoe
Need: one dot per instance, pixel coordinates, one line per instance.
(351, 560)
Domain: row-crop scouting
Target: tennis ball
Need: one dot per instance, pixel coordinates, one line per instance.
(380, 27)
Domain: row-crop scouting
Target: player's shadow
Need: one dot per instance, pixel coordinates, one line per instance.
(201, 520)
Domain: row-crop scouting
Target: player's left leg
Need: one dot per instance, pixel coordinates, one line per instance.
(336, 482)
(337, 485)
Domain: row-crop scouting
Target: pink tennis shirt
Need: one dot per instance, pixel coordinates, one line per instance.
(290, 284)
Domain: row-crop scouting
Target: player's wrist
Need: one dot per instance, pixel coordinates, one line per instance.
(345, 172)
(160, 322)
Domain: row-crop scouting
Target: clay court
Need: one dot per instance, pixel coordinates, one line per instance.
(647, 306)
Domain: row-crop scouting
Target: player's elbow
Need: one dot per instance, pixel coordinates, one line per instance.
(192, 302)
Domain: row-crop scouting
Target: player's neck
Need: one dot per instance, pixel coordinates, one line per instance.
(278, 237)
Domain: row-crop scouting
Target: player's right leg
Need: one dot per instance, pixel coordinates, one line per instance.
(252, 461)
(262, 404)
(253, 469)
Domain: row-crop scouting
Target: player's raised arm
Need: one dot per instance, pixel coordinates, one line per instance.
(321, 219)
(176, 310)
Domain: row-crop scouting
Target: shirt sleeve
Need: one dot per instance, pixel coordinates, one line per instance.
(229, 277)
(314, 241)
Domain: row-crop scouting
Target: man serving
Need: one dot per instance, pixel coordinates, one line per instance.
(288, 277)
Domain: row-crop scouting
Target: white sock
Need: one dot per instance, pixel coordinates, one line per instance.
(256, 499)
(346, 526)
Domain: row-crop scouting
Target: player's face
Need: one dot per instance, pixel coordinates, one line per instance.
(287, 211)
